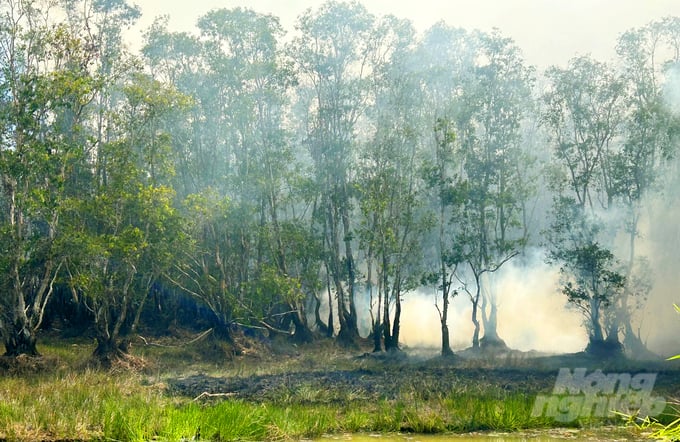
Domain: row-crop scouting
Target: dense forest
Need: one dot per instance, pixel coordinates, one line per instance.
(243, 178)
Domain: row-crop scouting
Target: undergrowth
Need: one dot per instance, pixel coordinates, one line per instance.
(70, 400)
(97, 405)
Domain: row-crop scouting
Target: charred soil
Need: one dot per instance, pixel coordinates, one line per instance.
(337, 375)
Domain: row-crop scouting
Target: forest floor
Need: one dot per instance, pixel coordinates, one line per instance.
(194, 386)
(339, 373)
(270, 372)
(469, 391)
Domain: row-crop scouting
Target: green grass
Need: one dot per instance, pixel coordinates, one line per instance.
(92, 405)
(97, 405)
(668, 427)
(71, 401)
(665, 427)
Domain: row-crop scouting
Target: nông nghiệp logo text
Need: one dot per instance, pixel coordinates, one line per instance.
(578, 394)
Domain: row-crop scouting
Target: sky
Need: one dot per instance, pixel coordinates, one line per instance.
(549, 32)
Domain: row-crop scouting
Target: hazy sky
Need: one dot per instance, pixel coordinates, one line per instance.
(548, 31)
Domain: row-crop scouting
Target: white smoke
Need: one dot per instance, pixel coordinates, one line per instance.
(532, 314)
(658, 322)
(671, 88)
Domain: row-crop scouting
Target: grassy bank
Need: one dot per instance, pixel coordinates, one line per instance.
(66, 400)
(97, 405)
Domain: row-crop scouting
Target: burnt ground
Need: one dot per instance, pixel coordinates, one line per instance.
(370, 377)
(363, 384)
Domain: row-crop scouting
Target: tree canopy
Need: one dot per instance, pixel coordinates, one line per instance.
(308, 185)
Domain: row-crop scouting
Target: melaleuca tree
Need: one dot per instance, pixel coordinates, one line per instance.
(178, 59)
(589, 272)
(332, 53)
(101, 24)
(507, 82)
(389, 188)
(650, 134)
(46, 85)
(241, 61)
(443, 61)
(486, 226)
(238, 151)
(441, 182)
(583, 116)
(122, 234)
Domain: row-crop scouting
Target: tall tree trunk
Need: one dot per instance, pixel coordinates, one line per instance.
(375, 318)
(396, 323)
(351, 334)
(331, 323)
(348, 334)
(318, 322)
(386, 321)
(302, 334)
(21, 339)
(631, 340)
(491, 327)
(377, 322)
(109, 322)
(444, 317)
(446, 343)
(596, 334)
(491, 338)
(444, 274)
(377, 334)
(475, 320)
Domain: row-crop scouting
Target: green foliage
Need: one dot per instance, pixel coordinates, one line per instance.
(269, 288)
(677, 309)
(487, 202)
(589, 271)
(257, 177)
(46, 86)
(583, 113)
